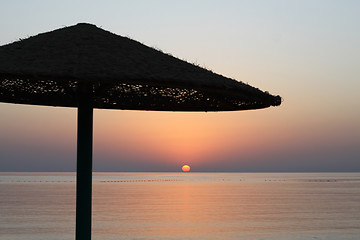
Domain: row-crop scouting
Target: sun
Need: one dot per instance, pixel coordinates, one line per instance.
(186, 168)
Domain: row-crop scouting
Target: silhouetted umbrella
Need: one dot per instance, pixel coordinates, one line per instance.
(87, 67)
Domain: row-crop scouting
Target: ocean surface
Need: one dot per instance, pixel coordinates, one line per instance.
(159, 206)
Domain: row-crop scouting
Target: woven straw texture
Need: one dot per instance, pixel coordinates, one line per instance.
(54, 68)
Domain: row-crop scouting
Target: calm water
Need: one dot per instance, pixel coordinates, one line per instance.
(277, 206)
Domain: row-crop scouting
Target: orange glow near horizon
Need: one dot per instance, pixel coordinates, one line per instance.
(170, 138)
(173, 136)
(201, 139)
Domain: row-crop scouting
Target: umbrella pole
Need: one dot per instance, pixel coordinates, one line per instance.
(84, 170)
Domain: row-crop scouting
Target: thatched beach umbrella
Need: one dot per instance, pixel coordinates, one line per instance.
(87, 67)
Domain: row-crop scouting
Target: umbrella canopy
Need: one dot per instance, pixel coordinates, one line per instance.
(53, 68)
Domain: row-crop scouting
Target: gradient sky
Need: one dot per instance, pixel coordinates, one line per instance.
(306, 51)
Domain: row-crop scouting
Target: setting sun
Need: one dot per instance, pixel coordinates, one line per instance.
(186, 168)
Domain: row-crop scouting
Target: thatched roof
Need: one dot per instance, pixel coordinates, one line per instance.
(52, 68)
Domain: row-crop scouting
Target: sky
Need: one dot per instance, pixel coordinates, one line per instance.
(308, 52)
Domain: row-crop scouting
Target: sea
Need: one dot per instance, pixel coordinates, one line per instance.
(186, 206)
